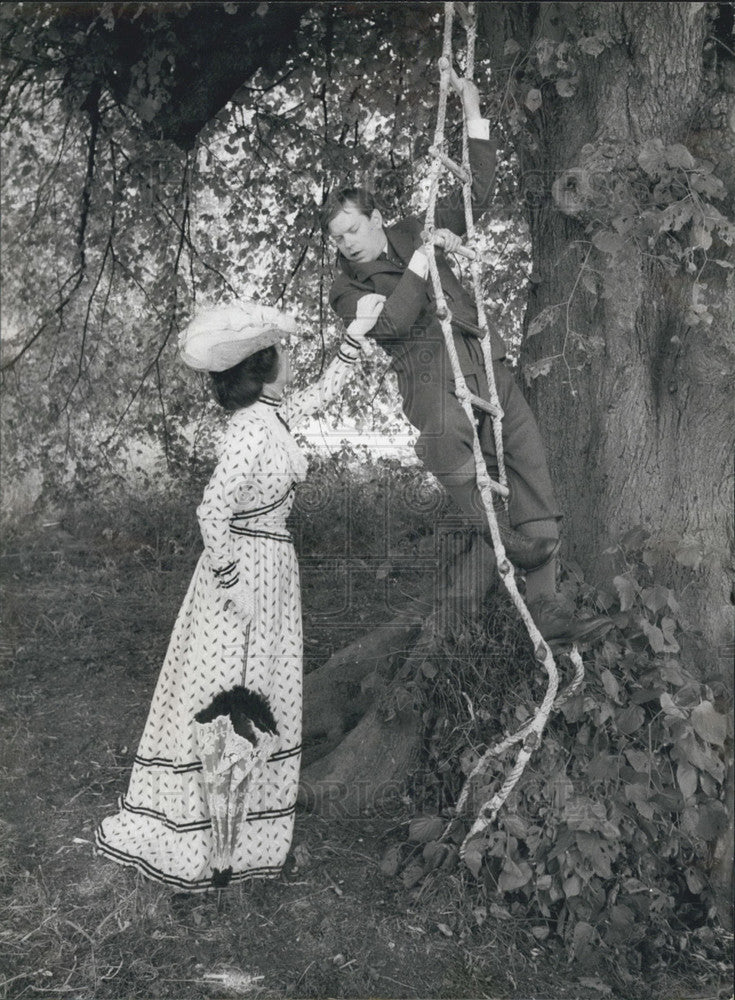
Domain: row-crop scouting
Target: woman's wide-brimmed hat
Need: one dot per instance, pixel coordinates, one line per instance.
(218, 337)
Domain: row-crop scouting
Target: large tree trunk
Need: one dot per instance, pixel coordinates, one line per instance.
(636, 409)
(362, 724)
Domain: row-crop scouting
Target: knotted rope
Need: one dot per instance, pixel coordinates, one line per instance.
(529, 736)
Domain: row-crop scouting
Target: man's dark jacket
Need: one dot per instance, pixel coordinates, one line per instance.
(409, 330)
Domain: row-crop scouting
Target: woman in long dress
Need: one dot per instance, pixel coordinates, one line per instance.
(240, 622)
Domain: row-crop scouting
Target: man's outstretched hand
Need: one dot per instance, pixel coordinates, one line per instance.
(444, 238)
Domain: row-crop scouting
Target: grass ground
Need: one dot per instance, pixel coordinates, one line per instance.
(87, 612)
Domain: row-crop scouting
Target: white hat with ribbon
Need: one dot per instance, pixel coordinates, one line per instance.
(218, 337)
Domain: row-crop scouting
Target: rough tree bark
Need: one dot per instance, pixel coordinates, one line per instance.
(637, 408)
(363, 726)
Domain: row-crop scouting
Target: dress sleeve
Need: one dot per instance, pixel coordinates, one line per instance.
(312, 399)
(234, 479)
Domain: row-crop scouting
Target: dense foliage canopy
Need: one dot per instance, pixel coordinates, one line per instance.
(117, 221)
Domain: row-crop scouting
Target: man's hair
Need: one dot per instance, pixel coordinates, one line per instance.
(336, 201)
(241, 386)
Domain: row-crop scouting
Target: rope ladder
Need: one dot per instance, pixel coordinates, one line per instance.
(530, 734)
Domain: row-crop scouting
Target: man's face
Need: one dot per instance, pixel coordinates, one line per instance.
(358, 237)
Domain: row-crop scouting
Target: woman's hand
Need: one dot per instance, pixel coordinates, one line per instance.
(241, 600)
(369, 308)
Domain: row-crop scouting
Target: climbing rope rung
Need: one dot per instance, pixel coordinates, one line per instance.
(463, 324)
(456, 168)
(462, 10)
(487, 406)
(498, 488)
(464, 251)
(445, 66)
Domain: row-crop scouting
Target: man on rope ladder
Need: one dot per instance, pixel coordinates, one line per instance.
(391, 261)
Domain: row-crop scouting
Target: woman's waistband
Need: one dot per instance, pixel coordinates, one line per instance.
(263, 522)
(276, 533)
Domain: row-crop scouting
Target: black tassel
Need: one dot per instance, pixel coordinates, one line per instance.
(220, 879)
(246, 708)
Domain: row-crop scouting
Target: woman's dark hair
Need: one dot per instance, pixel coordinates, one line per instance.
(241, 386)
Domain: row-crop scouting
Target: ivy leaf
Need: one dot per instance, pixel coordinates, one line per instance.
(708, 820)
(612, 688)
(602, 766)
(542, 320)
(635, 539)
(608, 241)
(672, 674)
(675, 216)
(533, 99)
(423, 829)
(594, 848)
(631, 719)
(545, 51)
(582, 938)
(639, 795)
(668, 626)
(591, 45)
(627, 591)
(515, 825)
(473, 858)
(686, 778)
(412, 875)
(514, 876)
(708, 724)
(638, 760)
(707, 184)
(567, 86)
(703, 758)
(689, 555)
(590, 282)
(670, 708)
(655, 598)
(694, 881)
(677, 155)
(651, 157)
(391, 861)
(536, 369)
(655, 637)
(711, 820)
(701, 236)
(434, 853)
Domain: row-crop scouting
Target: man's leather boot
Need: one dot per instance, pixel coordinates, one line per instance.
(524, 552)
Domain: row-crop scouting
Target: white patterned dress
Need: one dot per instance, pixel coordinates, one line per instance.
(163, 827)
